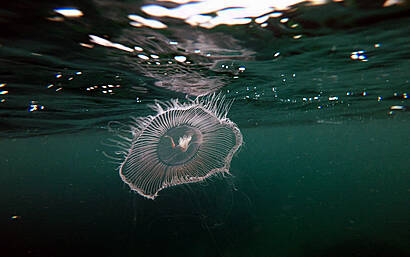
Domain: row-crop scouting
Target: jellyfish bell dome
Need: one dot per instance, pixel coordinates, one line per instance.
(182, 143)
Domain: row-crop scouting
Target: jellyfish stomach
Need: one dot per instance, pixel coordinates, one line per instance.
(183, 142)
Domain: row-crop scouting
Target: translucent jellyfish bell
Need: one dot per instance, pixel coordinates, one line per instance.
(182, 143)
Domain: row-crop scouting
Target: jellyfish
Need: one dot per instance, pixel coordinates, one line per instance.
(182, 143)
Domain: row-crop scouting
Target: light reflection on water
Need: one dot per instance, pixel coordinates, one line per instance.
(321, 95)
(288, 54)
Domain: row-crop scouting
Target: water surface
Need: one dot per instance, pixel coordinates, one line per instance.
(321, 97)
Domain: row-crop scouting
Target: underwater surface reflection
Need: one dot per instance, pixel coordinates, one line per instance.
(319, 91)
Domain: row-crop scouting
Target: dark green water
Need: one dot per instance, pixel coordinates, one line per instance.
(323, 171)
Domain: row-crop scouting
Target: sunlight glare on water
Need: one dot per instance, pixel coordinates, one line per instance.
(319, 91)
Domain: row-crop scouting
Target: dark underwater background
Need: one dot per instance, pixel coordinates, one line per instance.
(320, 94)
